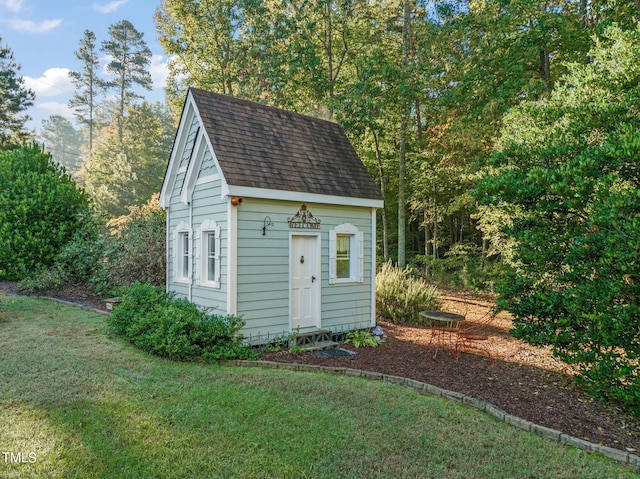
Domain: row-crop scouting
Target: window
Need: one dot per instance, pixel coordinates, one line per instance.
(346, 254)
(343, 258)
(209, 258)
(182, 253)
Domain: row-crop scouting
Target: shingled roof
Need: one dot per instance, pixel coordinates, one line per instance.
(264, 147)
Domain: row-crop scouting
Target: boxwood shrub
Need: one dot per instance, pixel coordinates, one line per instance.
(162, 325)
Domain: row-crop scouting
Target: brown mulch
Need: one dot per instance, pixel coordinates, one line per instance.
(522, 380)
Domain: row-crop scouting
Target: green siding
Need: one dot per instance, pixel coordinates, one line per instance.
(263, 267)
(206, 204)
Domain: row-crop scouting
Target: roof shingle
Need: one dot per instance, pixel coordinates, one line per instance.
(264, 147)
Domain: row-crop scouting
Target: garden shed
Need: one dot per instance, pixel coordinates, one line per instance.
(271, 216)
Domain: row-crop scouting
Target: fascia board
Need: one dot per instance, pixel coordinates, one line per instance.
(265, 193)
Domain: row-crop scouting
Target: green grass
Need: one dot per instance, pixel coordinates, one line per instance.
(91, 406)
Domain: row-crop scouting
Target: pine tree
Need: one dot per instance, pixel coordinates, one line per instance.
(130, 60)
(14, 99)
(88, 84)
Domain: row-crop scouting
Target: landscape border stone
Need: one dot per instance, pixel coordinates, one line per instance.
(468, 401)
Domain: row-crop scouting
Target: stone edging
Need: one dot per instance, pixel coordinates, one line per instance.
(481, 405)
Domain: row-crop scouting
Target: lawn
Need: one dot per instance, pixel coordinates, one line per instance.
(75, 402)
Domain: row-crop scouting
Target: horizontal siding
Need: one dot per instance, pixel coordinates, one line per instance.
(206, 204)
(263, 267)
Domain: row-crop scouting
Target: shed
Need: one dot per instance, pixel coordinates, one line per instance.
(271, 216)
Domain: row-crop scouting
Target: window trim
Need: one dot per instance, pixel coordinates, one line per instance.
(356, 254)
(207, 227)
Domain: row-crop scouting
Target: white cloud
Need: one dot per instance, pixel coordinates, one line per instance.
(54, 82)
(109, 7)
(55, 108)
(32, 27)
(159, 71)
(12, 5)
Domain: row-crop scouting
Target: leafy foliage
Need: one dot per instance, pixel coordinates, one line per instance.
(63, 141)
(79, 262)
(128, 169)
(362, 338)
(161, 325)
(135, 249)
(568, 170)
(400, 297)
(40, 211)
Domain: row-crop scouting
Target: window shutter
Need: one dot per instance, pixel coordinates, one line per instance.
(332, 257)
(217, 255)
(175, 254)
(360, 256)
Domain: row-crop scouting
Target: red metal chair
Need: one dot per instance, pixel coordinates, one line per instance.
(474, 336)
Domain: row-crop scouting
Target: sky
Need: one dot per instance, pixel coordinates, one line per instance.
(43, 35)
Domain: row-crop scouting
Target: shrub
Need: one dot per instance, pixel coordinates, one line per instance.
(174, 328)
(464, 266)
(362, 338)
(40, 210)
(400, 297)
(78, 262)
(127, 250)
(135, 249)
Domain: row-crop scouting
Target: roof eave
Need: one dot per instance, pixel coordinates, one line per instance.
(284, 195)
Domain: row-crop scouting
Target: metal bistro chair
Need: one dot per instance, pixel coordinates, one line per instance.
(474, 335)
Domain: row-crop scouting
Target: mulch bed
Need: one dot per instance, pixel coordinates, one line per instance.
(522, 380)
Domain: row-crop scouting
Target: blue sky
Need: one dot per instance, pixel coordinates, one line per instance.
(43, 34)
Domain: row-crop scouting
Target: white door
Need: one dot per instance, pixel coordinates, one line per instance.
(305, 281)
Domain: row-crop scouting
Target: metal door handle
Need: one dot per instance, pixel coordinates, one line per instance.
(313, 278)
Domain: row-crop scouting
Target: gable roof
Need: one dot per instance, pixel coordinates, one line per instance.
(258, 146)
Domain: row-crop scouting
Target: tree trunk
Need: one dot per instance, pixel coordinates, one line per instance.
(545, 69)
(402, 165)
(428, 245)
(383, 187)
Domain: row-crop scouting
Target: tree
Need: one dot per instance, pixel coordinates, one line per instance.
(567, 182)
(63, 141)
(123, 173)
(14, 99)
(40, 209)
(130, 60)
(88, 84)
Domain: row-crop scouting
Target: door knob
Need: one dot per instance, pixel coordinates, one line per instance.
(313, 278)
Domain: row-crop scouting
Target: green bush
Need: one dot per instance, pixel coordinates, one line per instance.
(78, 262)
(174, 328)
(362, 338)
(400, 296)
(463, 266)
(134, 251)
(127, 250)
(40, 210)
